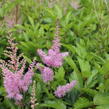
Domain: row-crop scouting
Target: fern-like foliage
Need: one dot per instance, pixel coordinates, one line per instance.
(82, 103)
(89, 92)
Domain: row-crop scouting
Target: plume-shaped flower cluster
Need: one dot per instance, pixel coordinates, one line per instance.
(54, 58)
(46, 72)
(62, 90)
(33, 96)
(15, 81)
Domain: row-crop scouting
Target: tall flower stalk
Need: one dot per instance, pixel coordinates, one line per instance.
(33, 96)
(15, 81)
(54, 58)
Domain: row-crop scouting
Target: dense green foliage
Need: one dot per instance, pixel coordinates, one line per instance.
(84, 34)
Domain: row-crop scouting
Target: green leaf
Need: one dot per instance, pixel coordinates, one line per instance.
(98, 57)
(102, 107)
(101, 99)
(85, 67)
(81, 49)
(10, 104)
(105, 68)
(89, 91)
(78, 78)
(50, 12)
(58, 11)
(82, 103)
(27, 59)
(38, 90)
(2, 90)
(31, 21)
(76, 75)
(68, 17)
(70, 47)
(54, 104)
(92, 80)
(70, 61)
(106, 84)
(60, 74)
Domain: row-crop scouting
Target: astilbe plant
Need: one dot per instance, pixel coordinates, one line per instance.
(15, 81)
(33, 98)
(46, 72)
(54, 59)
(62, 90)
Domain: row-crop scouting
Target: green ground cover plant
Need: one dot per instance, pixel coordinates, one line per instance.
(57, 43)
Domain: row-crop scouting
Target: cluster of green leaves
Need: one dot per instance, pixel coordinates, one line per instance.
(84, 33)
